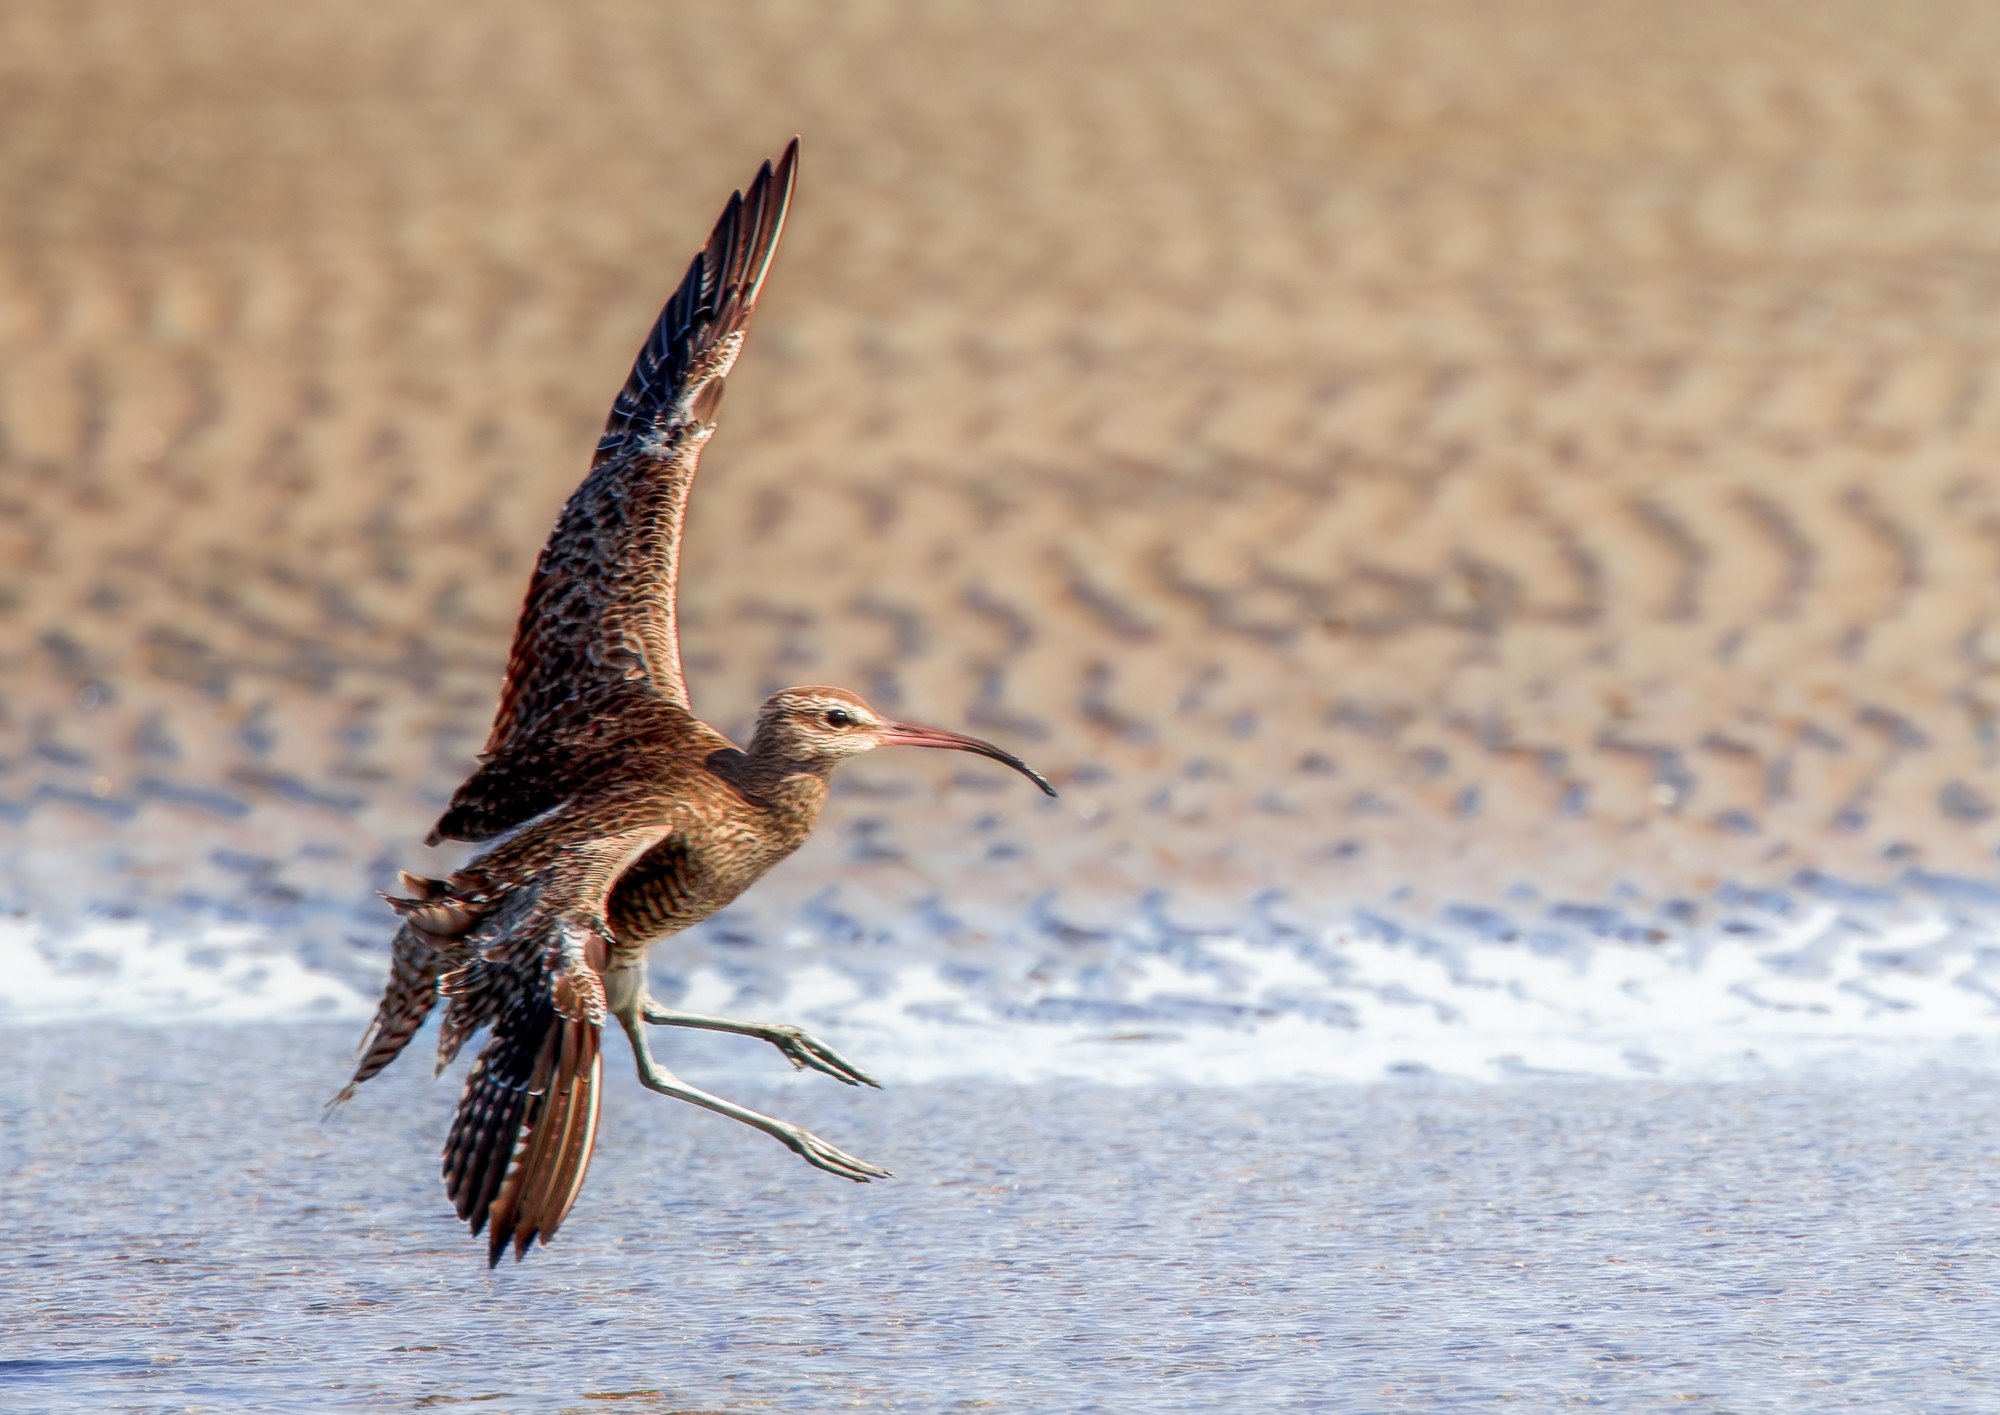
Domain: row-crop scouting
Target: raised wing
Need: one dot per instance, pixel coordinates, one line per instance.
(599, 629)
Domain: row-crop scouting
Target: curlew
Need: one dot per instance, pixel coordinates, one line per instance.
(613, 816)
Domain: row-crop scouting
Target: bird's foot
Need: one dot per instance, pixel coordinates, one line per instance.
(806, 1145)
(804, 1051)
(820, 1155)
(799, 1046)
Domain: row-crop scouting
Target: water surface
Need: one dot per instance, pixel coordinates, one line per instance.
(183, 1232)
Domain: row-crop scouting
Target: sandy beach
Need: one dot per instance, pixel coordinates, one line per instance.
(1336, 443)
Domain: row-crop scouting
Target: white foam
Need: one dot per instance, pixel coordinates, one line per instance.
(132, 971)
(1339, 1004)
(1689, 1009)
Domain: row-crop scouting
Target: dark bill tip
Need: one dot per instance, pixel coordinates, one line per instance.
(905, 734)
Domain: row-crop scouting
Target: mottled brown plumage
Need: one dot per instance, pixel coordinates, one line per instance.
(615, 818)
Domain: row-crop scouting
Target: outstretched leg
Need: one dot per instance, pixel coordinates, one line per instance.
(801, 1048)
(809, 1147)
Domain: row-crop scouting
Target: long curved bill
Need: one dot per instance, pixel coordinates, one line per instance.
(908, 734)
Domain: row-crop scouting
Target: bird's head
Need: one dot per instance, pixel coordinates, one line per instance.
(818, 728)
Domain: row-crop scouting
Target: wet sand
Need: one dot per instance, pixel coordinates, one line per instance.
(1369, 453)
(1819, 1243)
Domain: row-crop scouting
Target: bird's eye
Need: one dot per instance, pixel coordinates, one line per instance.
(839, 717)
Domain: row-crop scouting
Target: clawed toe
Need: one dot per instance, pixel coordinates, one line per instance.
(805, 1050)
(820, 1155)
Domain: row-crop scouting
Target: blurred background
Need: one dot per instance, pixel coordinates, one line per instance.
(1469, 502)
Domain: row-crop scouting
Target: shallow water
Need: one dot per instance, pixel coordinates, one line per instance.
(184, 1233)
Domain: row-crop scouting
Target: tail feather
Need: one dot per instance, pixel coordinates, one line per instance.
(581, 1144)
(493, 1108)
(526, 1127)
(554, 1155)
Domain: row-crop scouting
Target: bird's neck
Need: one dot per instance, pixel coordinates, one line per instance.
(782, 783)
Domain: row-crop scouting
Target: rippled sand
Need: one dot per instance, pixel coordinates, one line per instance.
(1357, 450)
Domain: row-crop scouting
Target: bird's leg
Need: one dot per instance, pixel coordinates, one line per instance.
(800, 1047)
(809, 1147)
